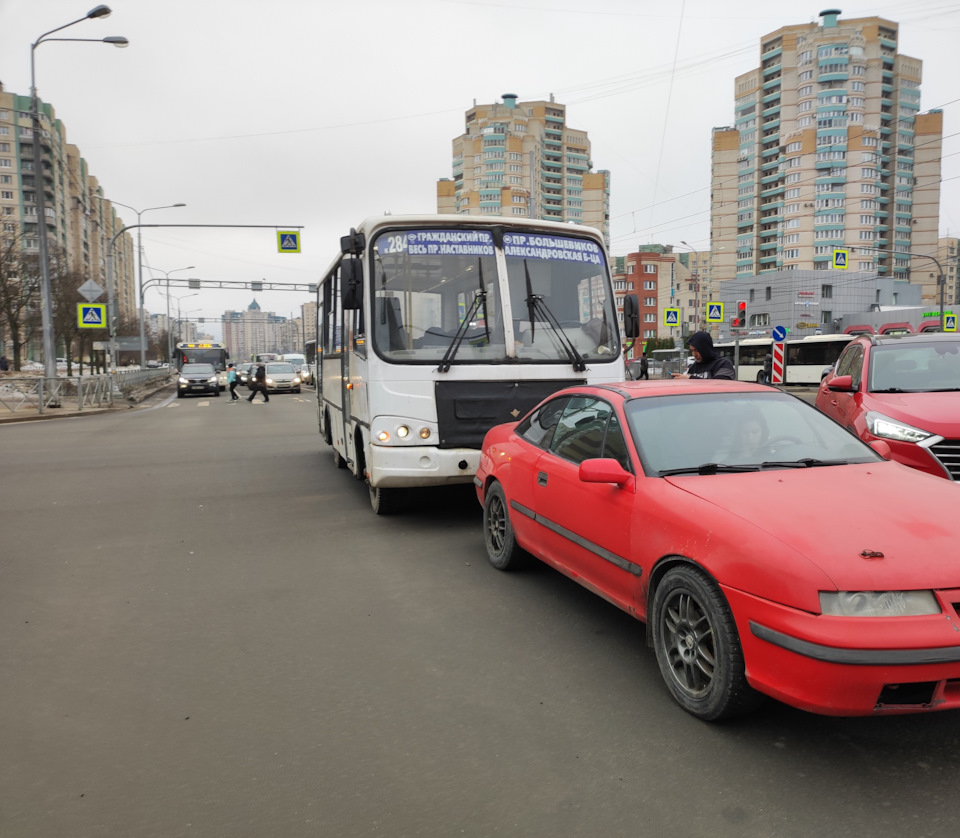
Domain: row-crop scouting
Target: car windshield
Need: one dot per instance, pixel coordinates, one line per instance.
(915, 366)
(197, 369)
(700, 433)
(273, 369)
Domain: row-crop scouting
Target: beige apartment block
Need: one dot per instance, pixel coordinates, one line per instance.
(79, 222)
(829, 151)
(948, 254)
(521, 159)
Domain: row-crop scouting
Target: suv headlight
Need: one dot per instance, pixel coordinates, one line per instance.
(887, 428)
(213, 380)
(183, 380)
(878, 603)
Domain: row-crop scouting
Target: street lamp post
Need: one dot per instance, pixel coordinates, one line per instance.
(140, 260)
(46, 308)
(178, 299)
(167, 295)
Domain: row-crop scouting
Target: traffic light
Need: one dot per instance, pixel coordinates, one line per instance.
(740, 320)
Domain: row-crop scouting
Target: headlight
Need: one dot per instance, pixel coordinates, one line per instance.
(184, 381)
(887, 428)
(269, 381)
(296, 380)
(213, 380)
(878, 603)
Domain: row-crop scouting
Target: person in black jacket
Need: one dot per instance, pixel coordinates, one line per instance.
(706, 362)
(259, 383)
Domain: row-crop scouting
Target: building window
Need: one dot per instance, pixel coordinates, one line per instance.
(826, 292)
(649, 269)
(650, 302)
(649, 285)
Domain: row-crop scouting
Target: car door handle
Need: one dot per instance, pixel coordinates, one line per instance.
(542, 478)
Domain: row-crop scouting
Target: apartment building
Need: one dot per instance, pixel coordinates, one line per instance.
(80, 222)
(522, 159)
(948, 254)
(253, 330)
(829, 150)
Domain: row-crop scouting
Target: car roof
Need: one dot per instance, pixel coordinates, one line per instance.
(917, 337)
(668, 387)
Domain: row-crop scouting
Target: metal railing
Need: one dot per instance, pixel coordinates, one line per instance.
(36, 394)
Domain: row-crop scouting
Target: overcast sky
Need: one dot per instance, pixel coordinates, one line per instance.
(281, 114)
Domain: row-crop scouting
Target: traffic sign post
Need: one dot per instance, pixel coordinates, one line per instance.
(714, 312)
(841, 259)
(776, 374)
(288, 241)
(671, 317)
(91, 315)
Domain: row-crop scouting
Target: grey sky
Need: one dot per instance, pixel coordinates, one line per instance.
(254, 113)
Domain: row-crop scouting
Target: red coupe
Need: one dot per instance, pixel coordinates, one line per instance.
(769, 551)
(904, 389)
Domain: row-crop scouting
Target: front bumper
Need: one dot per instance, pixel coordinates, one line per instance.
(399, 467)
(851, 666)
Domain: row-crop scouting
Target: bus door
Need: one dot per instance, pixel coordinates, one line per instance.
(331, 384)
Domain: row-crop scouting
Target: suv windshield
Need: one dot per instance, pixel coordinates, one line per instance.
(437, 295)
(915, 366)
(197, 369)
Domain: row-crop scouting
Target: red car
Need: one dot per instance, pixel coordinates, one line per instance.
(904, 389)
(698, 507)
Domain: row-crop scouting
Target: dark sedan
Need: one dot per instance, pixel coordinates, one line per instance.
(197, 379)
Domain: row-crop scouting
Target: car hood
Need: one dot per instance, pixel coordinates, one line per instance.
(938, 413)
(840, 517)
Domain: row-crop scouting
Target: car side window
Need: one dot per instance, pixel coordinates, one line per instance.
(614, 445)
(851, 363)
(582, 430)
(538, 428)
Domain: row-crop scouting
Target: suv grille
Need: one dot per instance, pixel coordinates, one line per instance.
(948, 454)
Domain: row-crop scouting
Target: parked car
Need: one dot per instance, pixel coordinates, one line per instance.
(904, 389)
(282, 378)
(697, 507)
(197, 378)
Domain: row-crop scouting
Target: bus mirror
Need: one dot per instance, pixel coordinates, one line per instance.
(353, 244)
(631, 316)
(351, 279)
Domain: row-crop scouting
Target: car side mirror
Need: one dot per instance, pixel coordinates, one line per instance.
(841, 384)
(605, 470)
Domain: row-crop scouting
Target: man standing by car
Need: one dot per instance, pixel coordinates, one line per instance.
(706, 362)
(259, 382)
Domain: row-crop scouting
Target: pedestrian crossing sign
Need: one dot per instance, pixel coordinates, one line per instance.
(841, 259)
(91, 315)
(714, 312)
(949, 322)
(671, 317)
(288, 241)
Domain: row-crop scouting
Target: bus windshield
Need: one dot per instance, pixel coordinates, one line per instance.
(438, 294)
(202, 353)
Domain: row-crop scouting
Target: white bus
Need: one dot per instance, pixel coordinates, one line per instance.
(432, 329)
(805, 358)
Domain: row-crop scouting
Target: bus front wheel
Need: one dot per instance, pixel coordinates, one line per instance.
(385, 501)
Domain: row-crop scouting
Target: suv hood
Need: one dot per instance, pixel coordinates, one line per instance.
(938, 413)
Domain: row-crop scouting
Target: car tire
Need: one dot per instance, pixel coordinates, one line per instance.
(698, 648)
(297, 390)
(179, 394)
(503, 552)
(217, 392)
(385, 501)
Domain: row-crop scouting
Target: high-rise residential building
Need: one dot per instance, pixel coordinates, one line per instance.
(948, 255)
(829, 151)
(253, 330)
(522, 159)
(80, 222)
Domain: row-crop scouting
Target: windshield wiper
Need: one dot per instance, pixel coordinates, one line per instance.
(806, 462)
(890, 390)
(479, 300)
(536, 306)
(709, 468)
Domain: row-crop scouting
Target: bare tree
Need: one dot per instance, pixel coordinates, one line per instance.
(19, 294)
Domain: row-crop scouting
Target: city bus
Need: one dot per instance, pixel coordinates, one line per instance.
(805, 358)
(432, 329)
(205, 353)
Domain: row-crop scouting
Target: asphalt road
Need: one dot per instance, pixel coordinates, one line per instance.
(206, 632)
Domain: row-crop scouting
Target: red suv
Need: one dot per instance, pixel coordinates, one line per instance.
(904, 390)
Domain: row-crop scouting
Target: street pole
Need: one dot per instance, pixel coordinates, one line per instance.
(46, 305)
(169, 329)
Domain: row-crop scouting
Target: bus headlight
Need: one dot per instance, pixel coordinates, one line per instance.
(424, 433)
(396, 430)
(403, 432)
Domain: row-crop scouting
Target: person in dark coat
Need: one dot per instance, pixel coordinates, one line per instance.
(644, 367)
(706, 362)
(4, 364)
(259, 383)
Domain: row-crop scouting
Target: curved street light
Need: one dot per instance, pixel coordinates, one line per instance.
(46, 310)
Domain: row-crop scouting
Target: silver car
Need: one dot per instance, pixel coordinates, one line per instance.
(282, 378)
